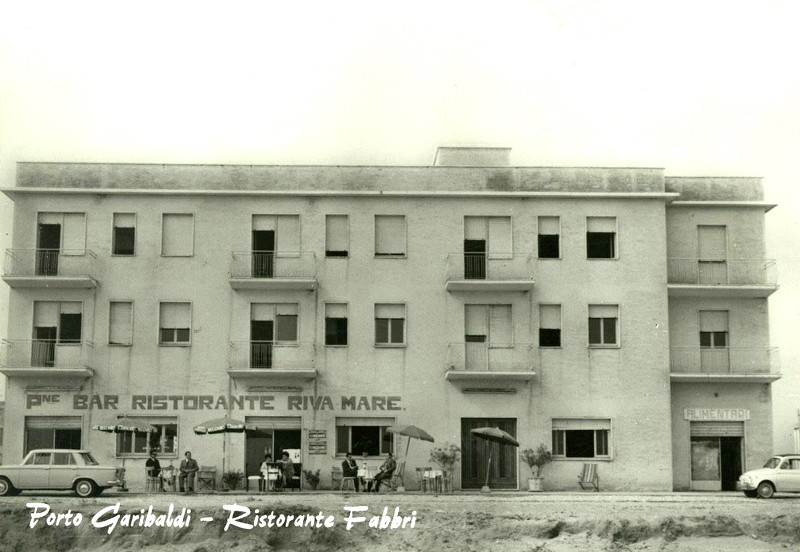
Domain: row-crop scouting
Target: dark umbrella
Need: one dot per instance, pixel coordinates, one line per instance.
(412, 432)
(125, 426)
(496, 435)
(223, 425)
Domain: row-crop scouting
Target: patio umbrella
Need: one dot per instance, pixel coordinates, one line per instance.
(496, 435)
(412, 432)
(125, 426)
(223, 425)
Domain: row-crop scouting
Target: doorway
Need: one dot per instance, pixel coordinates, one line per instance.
(263, 253)
(48, 245)
(475, 259)
(475, 455)
(261, 340)
(272, 436)
(716, 455)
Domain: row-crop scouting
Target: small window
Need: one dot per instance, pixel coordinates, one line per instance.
(714, 329)
(124, 238)
(336, 324)
(581, 438)
(390, 324)
(601, 237)
(549, 238)
(177, 235)
(364, 435)
(337, 235)
(120, 327)
(603, 321)
(175, 323)
(390, 236)
(549, 325)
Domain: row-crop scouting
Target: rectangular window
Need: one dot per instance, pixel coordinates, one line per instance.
(601, 237)
(177, 235)
(120, 323)
(549, 237)
(603, 322)
(163, 441)
(175, 323)
(390, 236)
(390, 322)
(364, 435)
(286, 322)
(337, 235)
(47, 432)
(581, 438)
(336, 324)
(69, 325)
(714, 329)
(123, 241)
(549, 325)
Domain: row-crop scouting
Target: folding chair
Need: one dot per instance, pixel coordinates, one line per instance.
(207, 478)
(152, 483)
(588, 478)
(396, 479)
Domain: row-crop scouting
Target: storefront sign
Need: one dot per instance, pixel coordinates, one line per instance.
(717, 414)
(318, 441)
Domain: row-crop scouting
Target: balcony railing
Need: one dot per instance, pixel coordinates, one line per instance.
(45, 353)
(490, 357)
(725, 360)
(728, 272)
(50, 263)
(273, 269)
(271, 355)
(476, 270)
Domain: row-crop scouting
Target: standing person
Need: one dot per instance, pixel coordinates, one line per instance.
(153, 468)
(350, 469)
(387, 470)
(188, 470)
(267, 467)
(287, 469)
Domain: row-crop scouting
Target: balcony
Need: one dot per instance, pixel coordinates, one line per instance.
(490, 362)
(724, 365)
(722, 278)
(272, 361)
(45, 358)
(50, 268)
(489, 272)
(266, 270)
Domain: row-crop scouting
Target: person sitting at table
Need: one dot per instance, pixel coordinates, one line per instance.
(188, 469)
(287, 471)
(386, 471)
(350, 469)
(153, 468)
(267, 468)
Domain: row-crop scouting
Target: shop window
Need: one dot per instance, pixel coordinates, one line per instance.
(390, 236)
(124, 236)
(549, 325)
(601, 237)
(364, 435)
(177, 235)
(175, 323)
(390, 322)
(581, 438)
(337, 235)
(549, 239)
(140, 444)
(336, 324)
(120, 325)
(48, 432)
(603, 322)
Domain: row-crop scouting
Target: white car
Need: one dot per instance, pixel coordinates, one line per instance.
(780, 474)
(58, 469)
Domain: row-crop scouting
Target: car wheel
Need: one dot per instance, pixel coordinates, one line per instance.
(6, 488)
(750, 494)
(765, 490)
(85, 488)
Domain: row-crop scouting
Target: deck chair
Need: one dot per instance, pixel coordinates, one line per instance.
(397, 478)
(588, 478)
(207, 478)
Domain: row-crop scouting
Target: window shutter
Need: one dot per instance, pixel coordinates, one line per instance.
(550, 316)
(716, 429)
(601, 224)
(475, 322)
(581, 423)
(45, 314)
(387, 310)
(121, 323)
(177, 235)
(337, 233)
(390, 235)
(711, 243)
(51, 218)
(474, 228)
(70, 307)
(288, 236)
(500, 329)
(286, 309)
(549, 225)
(500, 238)
(363, 421)
(52, 422)
(264, 222)
(274, 422)
(73, 238)
(174, 315)
(286, 327)
(336, 310)
(713, 321)
(603, 311)
(124, 220)
(262, 311)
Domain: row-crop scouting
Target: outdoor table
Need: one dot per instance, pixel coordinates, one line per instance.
(435, 477)
(168, 477)
(270, 477)
(367, 475)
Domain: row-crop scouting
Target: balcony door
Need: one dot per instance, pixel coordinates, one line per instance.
(263, 253)
(488, 339)
(714, 352)
(261, 342)
(712, 255)
(48, 244)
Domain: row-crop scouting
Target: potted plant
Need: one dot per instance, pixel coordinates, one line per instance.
(231, 479)
(312, 478)
(446, 457)
(536, 459)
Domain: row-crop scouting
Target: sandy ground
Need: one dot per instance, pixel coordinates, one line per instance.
(511, 522)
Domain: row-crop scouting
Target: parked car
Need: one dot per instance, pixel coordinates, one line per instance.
(781, 473)
(58, 469)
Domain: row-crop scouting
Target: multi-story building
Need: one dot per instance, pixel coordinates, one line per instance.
(616, 314)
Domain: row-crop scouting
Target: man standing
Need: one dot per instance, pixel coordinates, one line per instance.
(350, 469)
(188, 470)
(153, 468)
(387, 471)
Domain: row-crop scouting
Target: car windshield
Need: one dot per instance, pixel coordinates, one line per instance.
(88, 459)
(773, 463)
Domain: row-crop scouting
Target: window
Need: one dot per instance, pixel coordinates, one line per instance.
(69, 326)
(177, 235)
(390, 236)
(549, 325)
(360, 435)
(488, 324)
(175, 323)
(140, 444)
(337, 235)
(549, 237)
(714, 329)
(123, 241)
(581, 438)
(286, 322)
(603, 321)
(712, 253)
(390, 324)
(120, 323)
(601, 235)
(336, 324)
(45, 432)
(54, 324)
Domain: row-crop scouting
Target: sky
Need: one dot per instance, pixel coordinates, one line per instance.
(699, 88)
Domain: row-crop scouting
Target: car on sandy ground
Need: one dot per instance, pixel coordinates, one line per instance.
(58, 470)
(780, 474)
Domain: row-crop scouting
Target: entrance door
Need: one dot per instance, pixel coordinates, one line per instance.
(263, 253)
(716, 453)
(261, 339)
(730, 461)
(475, 259)
(257, 444)
(475, 455)
(47, 249)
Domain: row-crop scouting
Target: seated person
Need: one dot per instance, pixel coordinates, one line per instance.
(153, 467)
(350, 469)
(287, 471)
(267, 467)
(188, 470)
(387, 471)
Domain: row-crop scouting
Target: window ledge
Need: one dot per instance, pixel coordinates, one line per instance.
(551, 346)
(584, 460)
(603, 347)
(121, 255)
(335, 346)
(337, 256)
(390, 345)
(548, 258)
(398, 256)
(174, 344)
(176, 256)
(602, 258)
(120, 344)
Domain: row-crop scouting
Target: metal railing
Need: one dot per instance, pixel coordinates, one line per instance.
(273, 264)
(723, 272)
(50, 262)
(45, 353)
(489, 266)
(265, 355)
(724, 360)
(490, 357)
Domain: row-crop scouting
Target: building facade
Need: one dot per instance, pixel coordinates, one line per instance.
(616, 314)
